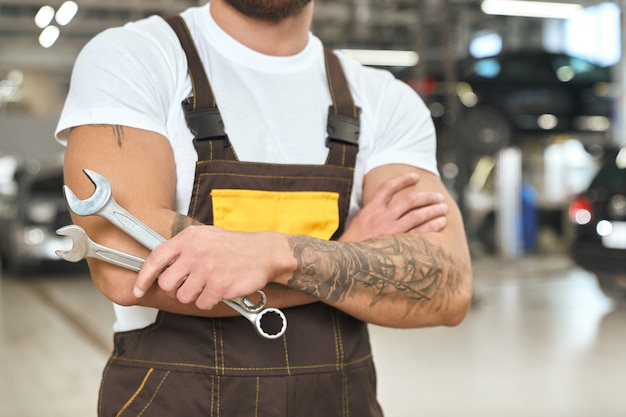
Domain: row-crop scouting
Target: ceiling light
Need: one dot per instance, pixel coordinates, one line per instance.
(44, 16)
(531, 8)
(383, 58)
(49, 36)
(66, 13)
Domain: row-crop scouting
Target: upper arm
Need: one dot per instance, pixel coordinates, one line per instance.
(139, 165)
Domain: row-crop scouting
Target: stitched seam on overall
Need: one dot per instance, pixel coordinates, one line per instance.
(212, 395)
(337, 354)
(227, 368)
(340, 362)
(314, 177)
(221, 338)
(219, 390)
(215, 344)
(270, 165)
(338, 341)
(132, 398)
(158, 388)
(256, 401)
(193, 88)
(104, 374)
(345, 394)
(286, 354)
(230, 174)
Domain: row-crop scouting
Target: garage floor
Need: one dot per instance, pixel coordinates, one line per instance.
(542, 341)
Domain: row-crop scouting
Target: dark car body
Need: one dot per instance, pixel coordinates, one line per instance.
(599, 218)
(503, 99)
(32, 208)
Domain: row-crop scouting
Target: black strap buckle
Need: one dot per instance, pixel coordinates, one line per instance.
(204, 123)
(342, 128)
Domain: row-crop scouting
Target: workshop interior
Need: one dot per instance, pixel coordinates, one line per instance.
(527, 101)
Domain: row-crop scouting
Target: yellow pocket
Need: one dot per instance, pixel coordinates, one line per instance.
(312, 213)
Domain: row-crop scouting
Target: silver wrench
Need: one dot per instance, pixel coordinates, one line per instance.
(83, 247)
(103, 204)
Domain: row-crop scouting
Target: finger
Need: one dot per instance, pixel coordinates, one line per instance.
(417, 201)
(432, 226)
(156, 263)
(172, 278)
(387, 189)
(190, 289)
(420, 218)
(207, 299)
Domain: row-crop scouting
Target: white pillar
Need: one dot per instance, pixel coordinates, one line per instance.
(508, 193)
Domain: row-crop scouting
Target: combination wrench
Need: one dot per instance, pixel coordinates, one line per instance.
(102, 203)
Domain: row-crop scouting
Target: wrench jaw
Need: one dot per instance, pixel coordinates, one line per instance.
(93, 204)
(79, 246)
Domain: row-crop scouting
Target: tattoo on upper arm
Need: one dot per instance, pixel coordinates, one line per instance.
(118, 132)
(181, 222)
(398, 267)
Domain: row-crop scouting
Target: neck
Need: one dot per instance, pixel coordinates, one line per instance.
(282, 38)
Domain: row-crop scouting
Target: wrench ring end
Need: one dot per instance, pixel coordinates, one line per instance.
(283, 325)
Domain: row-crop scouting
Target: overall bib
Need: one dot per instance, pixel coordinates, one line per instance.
(191, 366)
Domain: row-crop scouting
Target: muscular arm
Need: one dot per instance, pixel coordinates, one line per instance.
(403, 280)
(140, 167)
(399, 280)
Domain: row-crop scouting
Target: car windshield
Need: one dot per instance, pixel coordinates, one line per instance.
(575, 69)
(536, 68)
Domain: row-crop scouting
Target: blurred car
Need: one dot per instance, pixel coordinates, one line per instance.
(498, 101)
(599, 218)
(32, 208)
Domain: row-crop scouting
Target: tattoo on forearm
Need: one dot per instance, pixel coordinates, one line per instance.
(181, 222)
(409, 268)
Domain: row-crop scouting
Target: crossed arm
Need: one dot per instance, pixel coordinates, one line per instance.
(376, 272)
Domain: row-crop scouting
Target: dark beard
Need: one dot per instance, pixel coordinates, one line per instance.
(270, 10)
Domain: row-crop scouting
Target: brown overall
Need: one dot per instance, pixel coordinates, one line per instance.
(190, 366)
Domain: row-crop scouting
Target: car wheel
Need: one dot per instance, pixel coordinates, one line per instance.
(485, 130)
(613, 286)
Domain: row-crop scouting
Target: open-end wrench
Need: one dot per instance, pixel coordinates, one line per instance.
(103, 204)
(83, 247)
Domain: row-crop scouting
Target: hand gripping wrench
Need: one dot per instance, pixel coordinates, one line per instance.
(103, 204)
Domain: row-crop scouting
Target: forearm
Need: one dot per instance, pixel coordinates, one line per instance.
(400, 281)
(117, 284)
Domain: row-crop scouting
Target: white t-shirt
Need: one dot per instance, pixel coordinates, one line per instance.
(274, 108)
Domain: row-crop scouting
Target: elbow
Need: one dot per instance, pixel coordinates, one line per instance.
(461, 304)
(114, 283)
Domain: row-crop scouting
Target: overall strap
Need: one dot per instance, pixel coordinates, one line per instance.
(201, 113)
(343, 125)
(205, 122)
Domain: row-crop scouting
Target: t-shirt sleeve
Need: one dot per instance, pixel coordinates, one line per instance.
(405, 130)
(120, 77)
